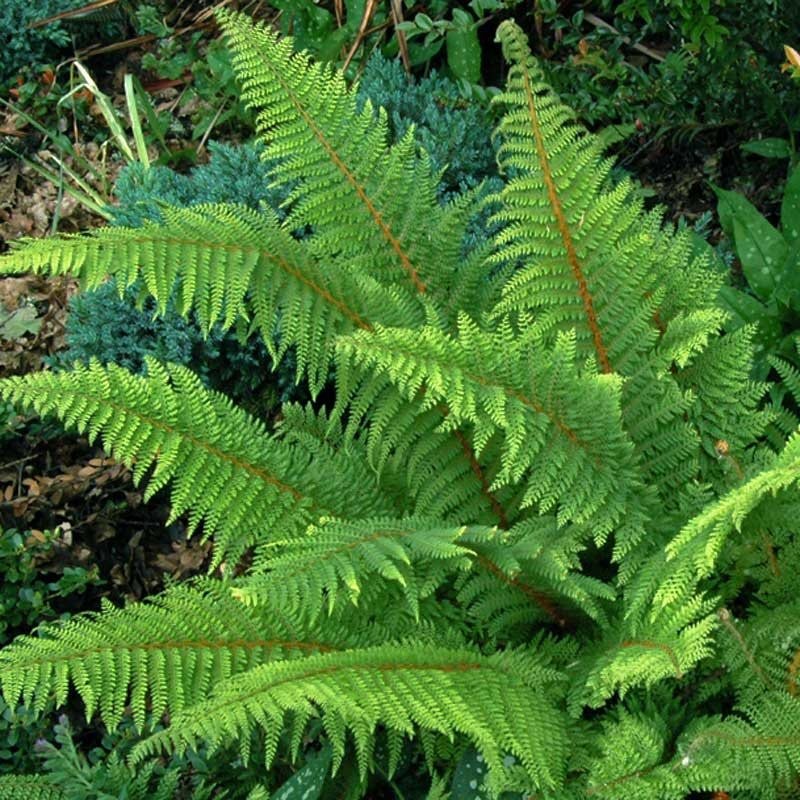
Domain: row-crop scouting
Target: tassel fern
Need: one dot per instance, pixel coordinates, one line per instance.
(507, 552)
(225, 469)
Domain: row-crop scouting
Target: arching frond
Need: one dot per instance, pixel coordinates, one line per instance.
(530, 574)
(228, 264)
(226, 470)
(563, 224)
(373, 205)
(28, 787)
(632, 655)
(560, 429)
(332, 561)
(500, 702)
(163, 655)
(693, 553)
(754, 750)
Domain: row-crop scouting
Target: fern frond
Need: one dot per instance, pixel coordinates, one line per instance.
(28, 787)
(572, 455)
(372, 205)
(530, 573)
(632, 655)
(244, 485)
(162, 655)
(726, 401)
(641, 302)
(633, 747)
(561, 223)
(337, 557)
(693, 553)
(442, 475)
(756, 750)
(500, 702)
(789, 374)
(229, 263)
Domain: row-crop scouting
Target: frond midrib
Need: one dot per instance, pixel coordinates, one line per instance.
(563, 226)
(261, 254)
(509, 391)
(348, 175)
(263, 475)
(176, 644)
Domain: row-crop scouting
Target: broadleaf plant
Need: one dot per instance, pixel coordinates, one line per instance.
(770, 261)
(539, 531)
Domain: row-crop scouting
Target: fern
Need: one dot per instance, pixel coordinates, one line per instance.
(514, 536)
(366, 202)
(226, 470)
(494, 700)
(540, 422)
(308, 574)
(25, 787)
(231, 264)
(186, 642)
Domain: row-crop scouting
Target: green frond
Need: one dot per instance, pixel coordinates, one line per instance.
(226, 470)
(28, 787)
(762, 651)
(755, 750)
(640, 301)
(565, 226)
(372, 205)
(229, 264)
(693, 553)
(726, 400)
(163, 655)
(631, 655)
(656, 417)
(789, 374)
(333, 560)
(532, 573)
(752, 753)
(560, 429)
(500, 702)
(438, 468)
(633, 747)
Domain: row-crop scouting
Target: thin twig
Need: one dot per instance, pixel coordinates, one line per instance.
(18, 461)
(592, 19)
(362, 30)
(211, 127)
(397, 18)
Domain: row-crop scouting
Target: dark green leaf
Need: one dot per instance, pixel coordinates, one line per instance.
(468, 778)
(788, 289)
(464, 54)
(419, 54)
(790, 209)
(768, 148)
(759, 246)
(308, 781)
(743, 308)
(423, 22)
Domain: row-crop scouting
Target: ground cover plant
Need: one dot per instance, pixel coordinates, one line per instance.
(537, 542)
